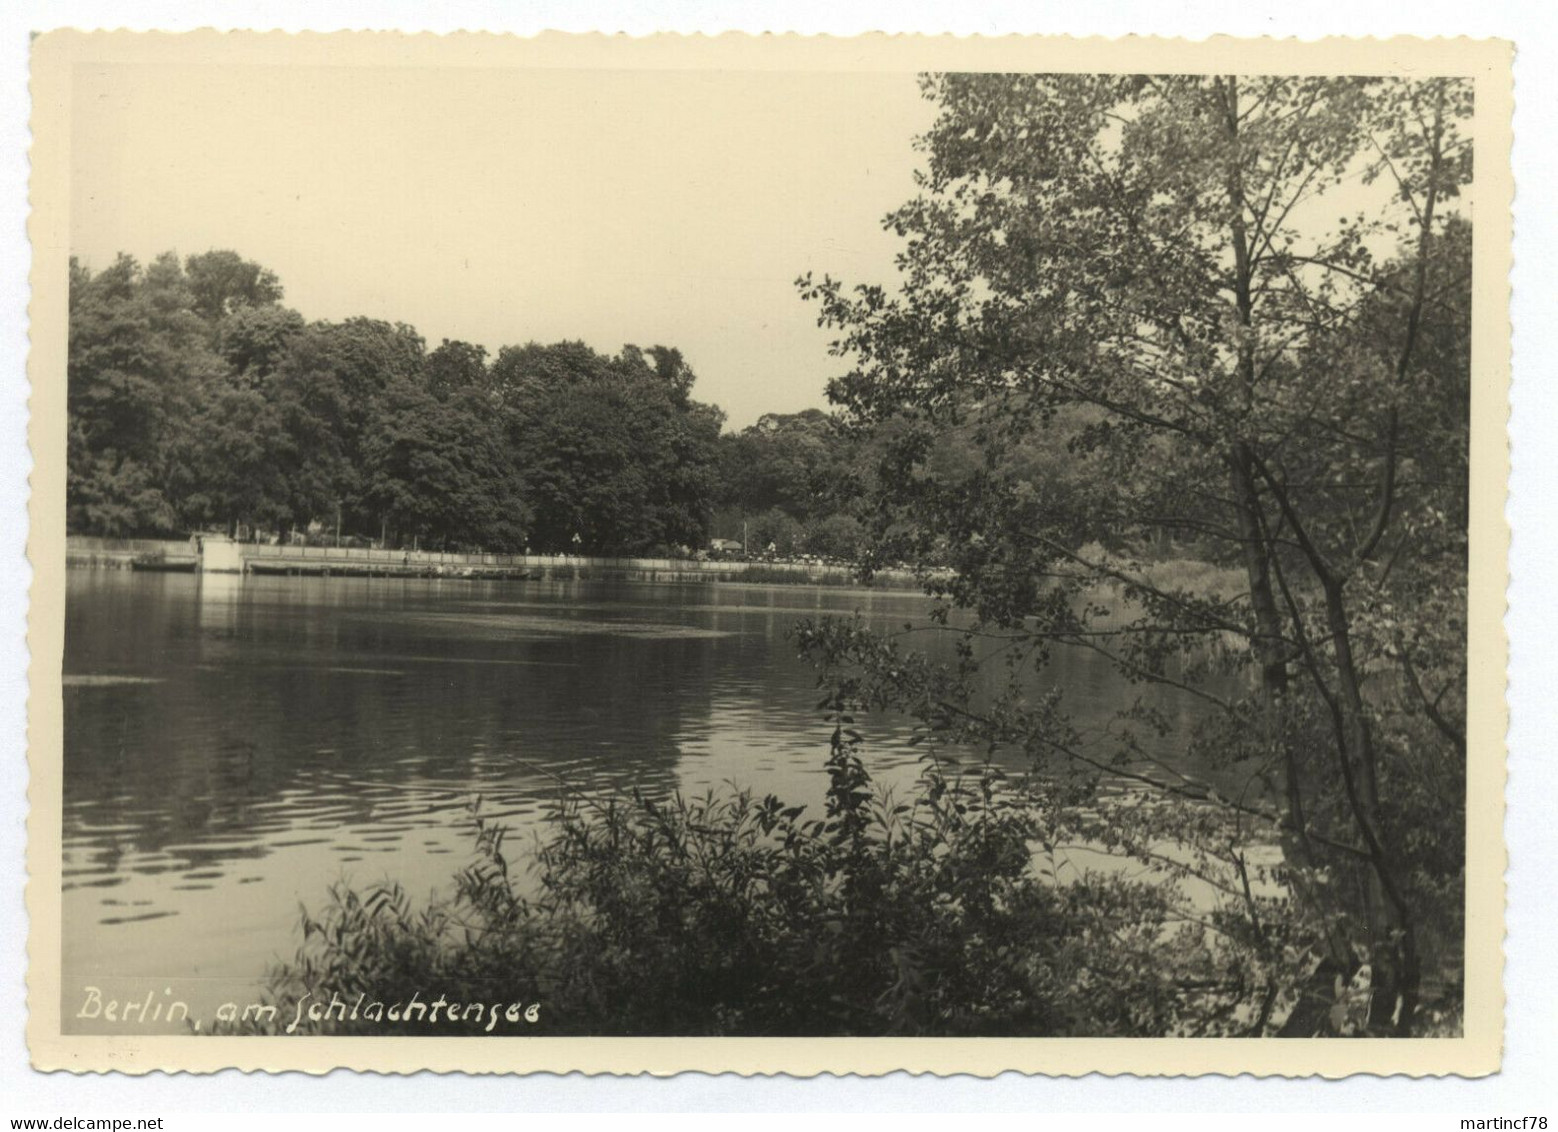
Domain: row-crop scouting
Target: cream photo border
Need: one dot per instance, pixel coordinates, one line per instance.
(1477, 1052)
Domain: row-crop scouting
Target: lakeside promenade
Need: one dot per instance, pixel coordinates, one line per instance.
(82, 551)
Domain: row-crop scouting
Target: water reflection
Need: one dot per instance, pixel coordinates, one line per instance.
(234, 745)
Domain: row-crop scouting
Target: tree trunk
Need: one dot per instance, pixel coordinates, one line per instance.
(1392, 924)
(1269, 644)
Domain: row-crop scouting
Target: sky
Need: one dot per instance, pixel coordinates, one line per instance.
(504, 206)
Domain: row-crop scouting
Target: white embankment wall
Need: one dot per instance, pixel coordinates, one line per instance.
(88, 551)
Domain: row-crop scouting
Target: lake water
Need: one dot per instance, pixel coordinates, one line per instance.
(233, 746)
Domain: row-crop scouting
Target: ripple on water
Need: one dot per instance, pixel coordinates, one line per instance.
(137, 919)
(533, 626)
(347, 763)
(104, 680)
(211, 849)
(106, 882)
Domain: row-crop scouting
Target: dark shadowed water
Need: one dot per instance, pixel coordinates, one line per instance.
(235, 745)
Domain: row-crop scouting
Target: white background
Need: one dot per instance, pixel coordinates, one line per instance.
(1525, 1087)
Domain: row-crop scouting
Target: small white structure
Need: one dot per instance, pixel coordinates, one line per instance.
(220, 555)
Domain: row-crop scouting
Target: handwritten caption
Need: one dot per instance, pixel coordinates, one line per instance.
(163, 1009)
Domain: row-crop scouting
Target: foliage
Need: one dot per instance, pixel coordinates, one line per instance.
(197, 400)
(1141, 268)
(438, 470)
(617, 460)
(796, 481)
(783, 462)
(1137, 398)
(838, 536)
(728, 914)
(253, 340)
(223, 283)
(777, 529)
(139, 359)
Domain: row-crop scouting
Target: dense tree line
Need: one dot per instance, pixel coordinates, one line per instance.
(196, 399)
(793, 481)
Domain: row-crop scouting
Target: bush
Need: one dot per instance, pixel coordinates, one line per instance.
(734, 915)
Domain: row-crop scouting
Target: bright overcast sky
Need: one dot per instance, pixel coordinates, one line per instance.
(503, 206)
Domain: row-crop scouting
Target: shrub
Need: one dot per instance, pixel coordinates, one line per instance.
(729, 914)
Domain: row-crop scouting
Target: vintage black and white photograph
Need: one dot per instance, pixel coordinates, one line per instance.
(653, 548)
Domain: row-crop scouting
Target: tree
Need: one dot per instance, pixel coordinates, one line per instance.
(518, 371)
(234, 462)
(456, 367)
(777, 529)
(439, 469)
(668, 365)
(139, 362)
(196, 398)
(253, 340)
(328, 389)
(1150, 260)
(222, 282)
(612, 451)
(786, 461)
(836, 536)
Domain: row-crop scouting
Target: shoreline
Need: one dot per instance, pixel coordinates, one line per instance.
(87, 552)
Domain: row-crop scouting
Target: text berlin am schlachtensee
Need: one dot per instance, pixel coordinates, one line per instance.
(155, 1009)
